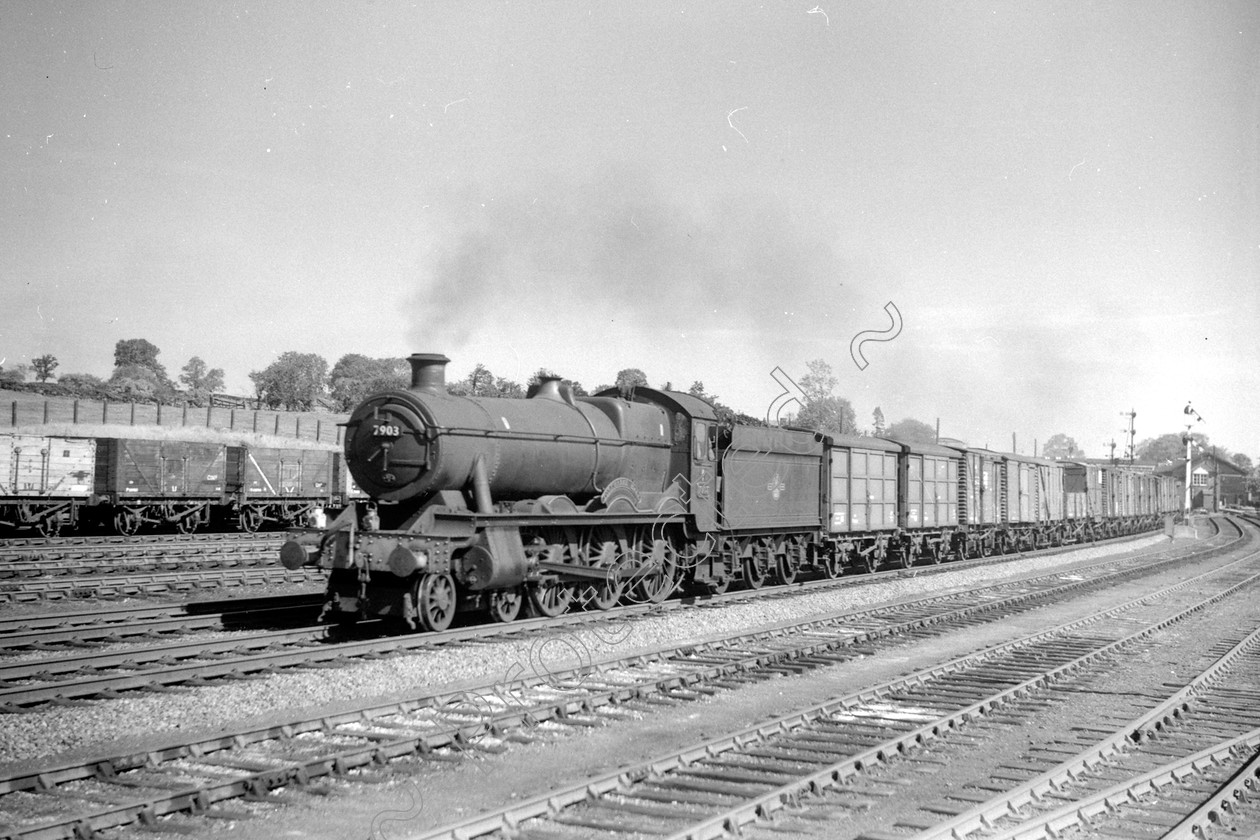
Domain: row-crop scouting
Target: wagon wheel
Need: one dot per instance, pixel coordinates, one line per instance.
(784, 568)
(833, 562)
(504, 605)
(435, 602)
(984, 547)
(719, 585)
(657, 585)
(127, 521)
(550, 598)
(936, 551)
(50, 526)
(604, 595)
(250, 518)
(872, 559)
(905, 553)
(187, 524)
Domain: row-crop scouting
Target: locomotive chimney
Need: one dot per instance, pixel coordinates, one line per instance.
(428, 372)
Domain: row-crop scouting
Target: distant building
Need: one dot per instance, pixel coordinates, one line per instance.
(1215, 482)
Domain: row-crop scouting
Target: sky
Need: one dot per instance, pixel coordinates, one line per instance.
(1059, 199)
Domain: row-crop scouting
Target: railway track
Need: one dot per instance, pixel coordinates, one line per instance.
(50, 570)
(170, 775)
(29, 549)
(801, 770)
(61, 676)
(106, 585)
(77, 630)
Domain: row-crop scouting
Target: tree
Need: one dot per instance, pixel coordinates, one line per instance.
(200, 380)
(1169, 447)
(1243, 462)
(81, 381)
(294, 381)
(823, 411)
(135, 382)
(14, 374)
(912, 431)
(630, 378)
(137, 351)
(483, 383)
(1061, 446)
(44, 366)
(355, 376)
(877, 421)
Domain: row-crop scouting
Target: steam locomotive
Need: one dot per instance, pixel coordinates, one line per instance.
(556, 500)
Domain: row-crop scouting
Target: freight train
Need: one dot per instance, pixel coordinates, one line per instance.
(53, 484)
(493, 504)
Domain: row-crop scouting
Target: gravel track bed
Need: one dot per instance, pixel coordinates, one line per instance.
(72, 729)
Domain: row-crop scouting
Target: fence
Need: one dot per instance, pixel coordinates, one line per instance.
(34, 410)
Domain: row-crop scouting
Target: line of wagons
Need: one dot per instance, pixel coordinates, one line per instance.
(890, 501)
(54, 484)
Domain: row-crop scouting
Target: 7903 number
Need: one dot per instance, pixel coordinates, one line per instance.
(386, 430)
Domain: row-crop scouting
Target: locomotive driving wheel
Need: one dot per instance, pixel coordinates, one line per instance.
(656, 585)
(601, 553)
(550, 598)
(435, 601)
(504, 605)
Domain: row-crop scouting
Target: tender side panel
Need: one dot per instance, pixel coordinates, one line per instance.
(771, 479)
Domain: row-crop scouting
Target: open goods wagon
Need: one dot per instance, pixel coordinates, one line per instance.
(49, 484)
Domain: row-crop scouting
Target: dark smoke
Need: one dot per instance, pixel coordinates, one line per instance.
(618, 248)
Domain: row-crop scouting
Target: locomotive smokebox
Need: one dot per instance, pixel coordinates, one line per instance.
(428, 372)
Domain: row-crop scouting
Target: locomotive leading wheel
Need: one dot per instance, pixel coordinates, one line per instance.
(435, 602)
(505, 604)
(127, 522)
